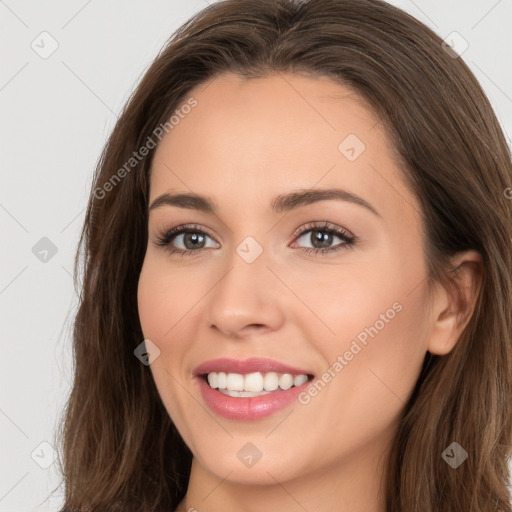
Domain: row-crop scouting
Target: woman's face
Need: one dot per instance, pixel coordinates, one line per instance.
(251, 285)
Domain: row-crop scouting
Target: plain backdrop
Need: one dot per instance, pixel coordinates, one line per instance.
(67, 69)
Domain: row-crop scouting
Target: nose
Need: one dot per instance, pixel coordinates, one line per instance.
(246, 299)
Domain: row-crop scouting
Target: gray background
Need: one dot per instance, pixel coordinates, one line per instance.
(56, 114)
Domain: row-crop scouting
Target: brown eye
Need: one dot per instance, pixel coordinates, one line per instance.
(184, 240)
(323, 237)
(193, 240)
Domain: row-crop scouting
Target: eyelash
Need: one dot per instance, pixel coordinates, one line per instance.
(165, 238)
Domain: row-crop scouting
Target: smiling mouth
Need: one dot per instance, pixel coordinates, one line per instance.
(253, 384)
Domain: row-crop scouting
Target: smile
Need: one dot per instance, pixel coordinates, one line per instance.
(249, 389)
(253, 384)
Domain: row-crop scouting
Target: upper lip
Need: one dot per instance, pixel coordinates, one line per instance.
(247, 366)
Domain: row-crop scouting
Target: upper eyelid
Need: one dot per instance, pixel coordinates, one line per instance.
(321, 225)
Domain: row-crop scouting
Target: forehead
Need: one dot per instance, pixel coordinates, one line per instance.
(253, 138)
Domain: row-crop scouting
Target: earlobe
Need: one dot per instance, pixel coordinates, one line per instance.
(455, 303)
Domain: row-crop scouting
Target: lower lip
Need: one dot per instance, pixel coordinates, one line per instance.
(248, 408)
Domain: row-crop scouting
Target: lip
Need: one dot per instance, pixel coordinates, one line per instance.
(248, 408)
(251, 365)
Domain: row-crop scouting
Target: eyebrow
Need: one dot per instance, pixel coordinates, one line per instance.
(282, 203)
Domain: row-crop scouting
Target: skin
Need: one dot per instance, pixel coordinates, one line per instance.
(246, 142)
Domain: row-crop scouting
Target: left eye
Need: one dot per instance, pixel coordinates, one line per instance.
(322, 237)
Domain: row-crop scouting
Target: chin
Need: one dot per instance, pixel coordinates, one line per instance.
(267, 470)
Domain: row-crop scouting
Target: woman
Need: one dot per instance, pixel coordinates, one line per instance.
(297, 277)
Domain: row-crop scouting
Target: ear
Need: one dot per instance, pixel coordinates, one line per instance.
(454, 304)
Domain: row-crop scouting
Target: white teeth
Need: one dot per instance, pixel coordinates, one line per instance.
(286, 381)
(243, 394)
(222, 380)
(213, 379)
(299, 380)
(271, 381)
(253, 384)
(235, 382)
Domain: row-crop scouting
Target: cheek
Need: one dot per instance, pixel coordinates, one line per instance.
(340, 302)
(166, 298)
(369, 326)
(371, 363)
(165, 305)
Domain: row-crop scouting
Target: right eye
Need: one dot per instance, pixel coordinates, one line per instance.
(192, 239)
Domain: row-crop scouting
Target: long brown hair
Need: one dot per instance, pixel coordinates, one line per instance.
(120, 450)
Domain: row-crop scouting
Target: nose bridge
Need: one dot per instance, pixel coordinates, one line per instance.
(246, 294)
